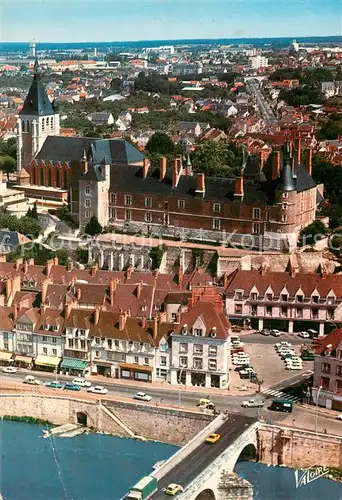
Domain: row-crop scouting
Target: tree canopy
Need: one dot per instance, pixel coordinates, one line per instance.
(217, 159)
(8, 164)
(312, 233)
(25, 225)
(93, 227)
(160, 143)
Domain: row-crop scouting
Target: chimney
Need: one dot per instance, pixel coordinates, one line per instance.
(17, 264)
(84, 164)
(175, 174)
(45, 284)
(180, 277)
(67, 309)
(43, 308)
(263, 268)
(25, 266)
(69, 265)
(239, 189)
(15, 312)
(155, 327)
(93, 270)
(309, 161)
(275, 165)
(298, 150)
(30, 262)
(225, 280)
(129, 272)
(143, 323)
(55, 261)
(96, 316)
(8, 289)
(49, 265)
(146, 166)
(122, 321)
(78, 294)
(162, 168)
(200, 184)
(139, 288)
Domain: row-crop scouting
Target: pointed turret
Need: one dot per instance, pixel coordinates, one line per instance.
(188, 166)
(37, 102)
(286, 182)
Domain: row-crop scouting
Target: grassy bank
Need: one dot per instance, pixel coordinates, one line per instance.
(27, 420)
(335, 474)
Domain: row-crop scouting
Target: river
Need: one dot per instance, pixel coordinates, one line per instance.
(100, 467)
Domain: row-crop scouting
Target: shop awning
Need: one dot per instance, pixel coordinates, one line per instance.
(135, 368)
(42, 360)
(23, 359)
(73, 364)
(5, 356)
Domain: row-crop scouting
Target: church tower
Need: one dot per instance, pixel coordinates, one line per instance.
(37, 119)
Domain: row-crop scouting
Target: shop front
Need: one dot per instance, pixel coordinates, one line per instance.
(102, 367)
(136, 372)
(23, 361)
(47, 363)
(6, 358)
(74, 366)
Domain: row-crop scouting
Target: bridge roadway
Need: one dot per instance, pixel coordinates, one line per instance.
(197, 461)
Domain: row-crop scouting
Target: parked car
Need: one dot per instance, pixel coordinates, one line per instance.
(54, 385)
(307, 356)
(253, 403)
(82, 382)
(69, 386)
(206, 403)
(265, 332)
(283, 343)
(10, 369)
(212, 438)
(141, 396)
(275, 333)
(30, 379)
(237, 343)
(304, 335)
(173, 489)
(98, 389)
(339, 417)
(313, 333)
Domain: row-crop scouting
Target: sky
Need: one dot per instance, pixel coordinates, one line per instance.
(117, 20)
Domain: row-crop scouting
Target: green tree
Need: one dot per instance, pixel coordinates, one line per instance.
(217, 159)
(8, 164)
(312, 233)
(160, 143)
(93, 227)
(9, 148)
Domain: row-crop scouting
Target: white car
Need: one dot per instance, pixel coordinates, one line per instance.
(10, 369)
(339, 417)
(98, 389)
(31, 380)
(283, 344)
(304, 335)
(141, 396)
(237, 343)
(82, 382)
(275, 333)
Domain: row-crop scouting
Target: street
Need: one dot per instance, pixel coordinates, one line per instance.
(264, 108)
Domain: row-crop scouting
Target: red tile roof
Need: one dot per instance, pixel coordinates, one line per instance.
(210, 317)
(332, 340)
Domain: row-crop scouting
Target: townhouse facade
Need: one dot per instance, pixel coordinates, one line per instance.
(290, 301)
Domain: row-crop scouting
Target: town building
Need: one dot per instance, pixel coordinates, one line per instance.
(327, 383)
(292, 301)
(257, 62)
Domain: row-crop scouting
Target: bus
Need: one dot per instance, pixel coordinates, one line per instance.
(282, 405)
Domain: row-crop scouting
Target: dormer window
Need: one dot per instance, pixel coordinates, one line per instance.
(239, 294)
(184, 329)
(254, 296)
(331, 300)
(284, 297)
(269, 296)
(315, 299)
(46, 327)
(198, 332)
(217, 207)
(256, 213)
(300, 298)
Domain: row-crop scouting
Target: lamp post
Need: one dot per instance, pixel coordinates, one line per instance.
(180, 387)
(317, 398)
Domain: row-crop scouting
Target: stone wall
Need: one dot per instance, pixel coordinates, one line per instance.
(161, 424)
(298, 448)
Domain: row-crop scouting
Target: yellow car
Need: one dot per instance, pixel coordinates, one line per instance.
(173, 489)
(212, 438)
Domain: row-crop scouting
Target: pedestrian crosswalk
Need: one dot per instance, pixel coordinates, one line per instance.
(280, 395)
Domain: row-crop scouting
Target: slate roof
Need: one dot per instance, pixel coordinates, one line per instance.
(37, 102)
(68, 149)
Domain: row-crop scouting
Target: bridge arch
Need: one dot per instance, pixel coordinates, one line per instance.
(81, 418)
(207, 494)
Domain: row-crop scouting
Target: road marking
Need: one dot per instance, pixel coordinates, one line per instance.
(281, 395)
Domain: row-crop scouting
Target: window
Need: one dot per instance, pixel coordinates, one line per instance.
(325, 382)
(113, 198)
(136, 359)
(117, 344)
(97, 354)
(325, 368)
(238, 308)
(239, 294)
(181, 204)
(148, 217)
(331, 300)
(284, 218)
(284, 297)
(299, 313)
(87, 214)
(254, 310)
(314, 313)
(284, 207)
(162, 360)
(339, 386)
(109, 343)
(212, 364)
(315, 299)
(198, 332)
(128, 199)
(54, 340)
(5, 335)
(256, 213)
(71, 343)
(87, 203)
(6, 346)
(198, 349)
(284, 312)
(212, 350)
(198, 363)
(83, 344)
(128, 215)
(256, 228)
(97, 340)
(268, 311)
(146, 361)
(217, 224)
(54, 352)
(45, 339)
(148, 202)
(87, 189)
(269, 296)
(44, 350)
(217, 207)
(299, 298)
(330, 313)
(112, 213)
(173, 316)
(285, 195)
(339, 370)
(183, 347)
(254, 296)
(183, 362)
